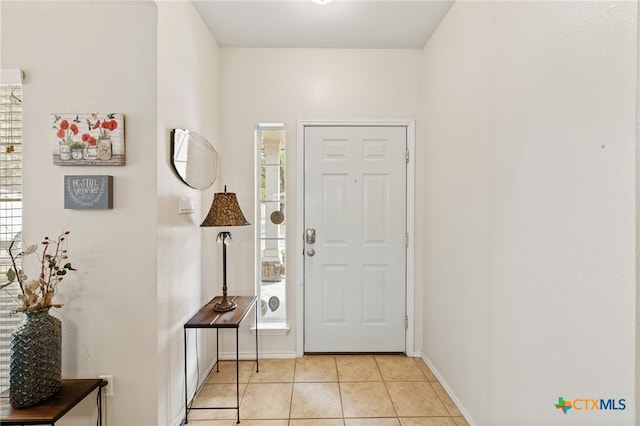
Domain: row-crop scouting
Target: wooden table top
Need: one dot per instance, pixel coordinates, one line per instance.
(48, 412)
(208, 318)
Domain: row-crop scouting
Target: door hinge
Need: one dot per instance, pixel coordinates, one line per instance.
(406, 321)
(406, 156)
(406, 240)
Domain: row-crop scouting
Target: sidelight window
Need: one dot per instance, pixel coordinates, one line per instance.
(271, 258)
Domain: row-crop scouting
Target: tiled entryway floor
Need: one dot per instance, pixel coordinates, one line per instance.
(323, 390)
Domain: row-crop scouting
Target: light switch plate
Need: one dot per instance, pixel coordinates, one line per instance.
(185, 206)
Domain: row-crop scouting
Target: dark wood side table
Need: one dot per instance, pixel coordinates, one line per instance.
(208, 318)
(50, 411)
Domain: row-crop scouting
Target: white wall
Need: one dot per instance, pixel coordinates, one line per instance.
(141, 268)
(529, 229)
(637, 370)
(188, 97)
(86, 57)
(285, 85)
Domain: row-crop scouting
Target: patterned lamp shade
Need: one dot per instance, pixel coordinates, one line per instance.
(225, 211)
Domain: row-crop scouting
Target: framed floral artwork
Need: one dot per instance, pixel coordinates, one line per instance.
(88, 139)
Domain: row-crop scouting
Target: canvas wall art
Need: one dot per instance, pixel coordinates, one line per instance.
(88, 139)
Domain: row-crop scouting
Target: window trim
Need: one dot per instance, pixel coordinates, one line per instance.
(275, 326)
(10, 79)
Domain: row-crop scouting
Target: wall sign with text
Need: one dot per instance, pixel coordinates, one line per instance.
(89, 192)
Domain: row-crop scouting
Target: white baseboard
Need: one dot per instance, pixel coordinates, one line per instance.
(179, 421)
(449, 391)
(249, 355)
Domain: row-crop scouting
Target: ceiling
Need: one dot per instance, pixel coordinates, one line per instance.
(362, 24)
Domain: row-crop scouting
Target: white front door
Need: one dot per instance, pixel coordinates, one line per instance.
(355, 204)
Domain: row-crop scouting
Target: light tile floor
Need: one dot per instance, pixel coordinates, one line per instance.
(324, 390)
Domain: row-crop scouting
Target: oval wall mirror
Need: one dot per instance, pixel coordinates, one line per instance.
(193, 158)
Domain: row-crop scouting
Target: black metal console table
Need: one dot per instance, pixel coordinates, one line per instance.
(208, 318)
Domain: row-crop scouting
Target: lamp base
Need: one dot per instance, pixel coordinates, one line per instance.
(225, 305)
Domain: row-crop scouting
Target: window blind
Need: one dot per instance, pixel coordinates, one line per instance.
(10, 212)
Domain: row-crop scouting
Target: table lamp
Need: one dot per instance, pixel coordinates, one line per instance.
(224, 211)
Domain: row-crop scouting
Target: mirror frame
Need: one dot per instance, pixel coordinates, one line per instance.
(196, 140)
